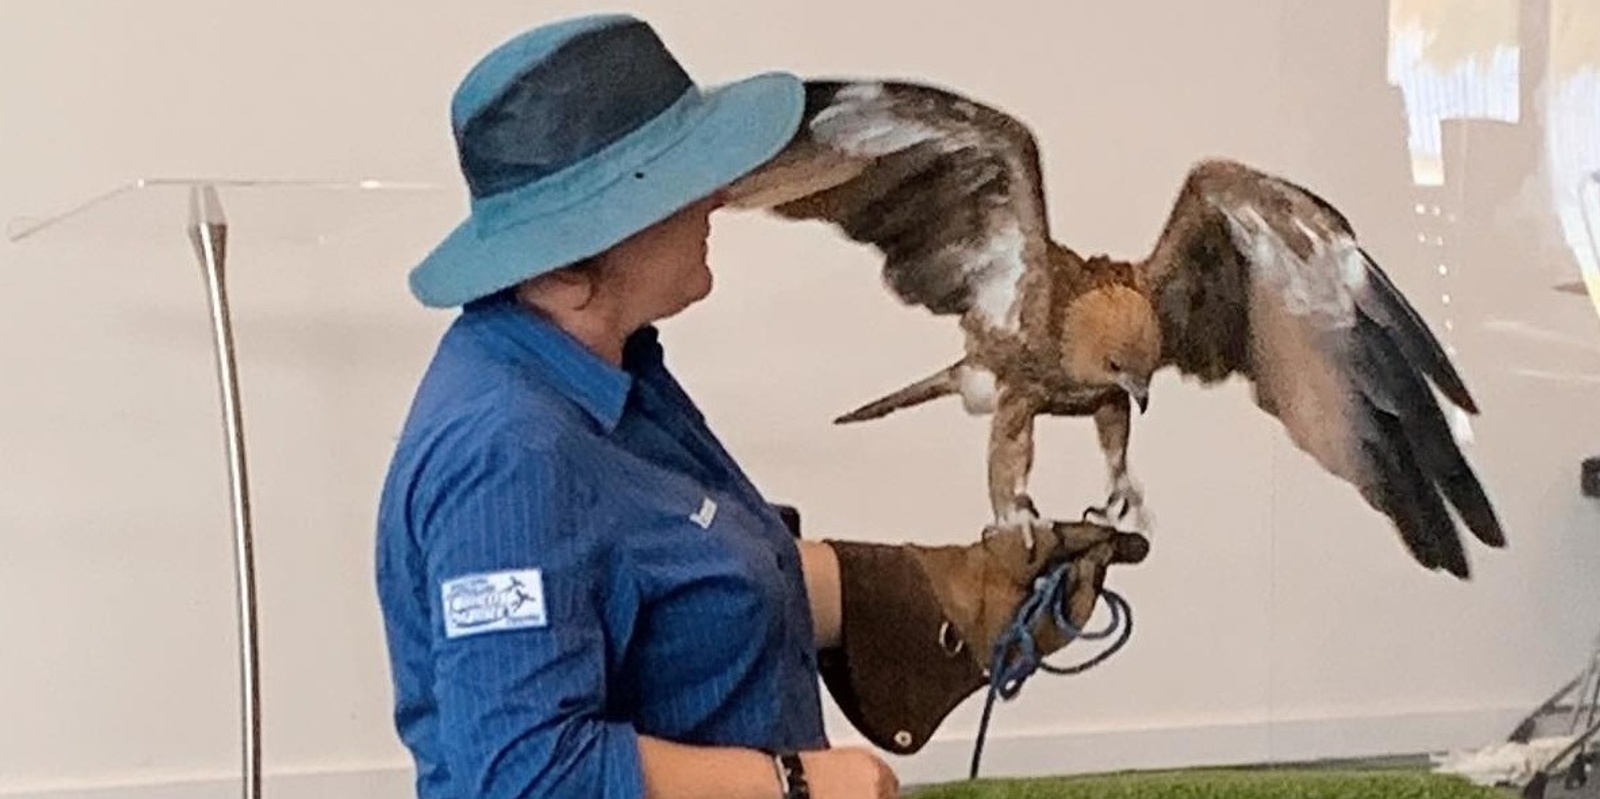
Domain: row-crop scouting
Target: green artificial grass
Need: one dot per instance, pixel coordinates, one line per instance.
(1308, 783)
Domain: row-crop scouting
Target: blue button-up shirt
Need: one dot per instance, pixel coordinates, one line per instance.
(567, 558)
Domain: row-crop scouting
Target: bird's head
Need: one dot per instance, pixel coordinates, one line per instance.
(1111, 337)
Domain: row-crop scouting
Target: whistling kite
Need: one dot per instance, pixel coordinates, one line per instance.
(1252, 275)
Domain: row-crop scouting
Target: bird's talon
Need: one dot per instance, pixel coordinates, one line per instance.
(1096, 515)
(1025, 505)
(1124, 501)
(1022, 513)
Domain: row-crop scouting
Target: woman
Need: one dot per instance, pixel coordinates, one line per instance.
(583, 594)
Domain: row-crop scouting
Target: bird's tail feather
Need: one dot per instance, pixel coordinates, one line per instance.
(939, 384)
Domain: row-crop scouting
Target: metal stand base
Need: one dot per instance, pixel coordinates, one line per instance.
(1573, 761)
(208, 233)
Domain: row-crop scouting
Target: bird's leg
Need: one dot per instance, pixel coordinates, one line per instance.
(1113, 421)
(1010, 462)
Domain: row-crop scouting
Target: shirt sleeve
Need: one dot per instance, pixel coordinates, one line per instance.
(518, 610)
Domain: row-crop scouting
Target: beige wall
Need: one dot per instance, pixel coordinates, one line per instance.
(1277, 617)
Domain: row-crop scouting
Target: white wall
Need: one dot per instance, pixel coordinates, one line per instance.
(1276, 618)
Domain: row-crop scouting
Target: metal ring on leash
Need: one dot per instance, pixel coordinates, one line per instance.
(946, 635)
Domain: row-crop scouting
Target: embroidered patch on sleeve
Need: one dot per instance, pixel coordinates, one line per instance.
(482, 603)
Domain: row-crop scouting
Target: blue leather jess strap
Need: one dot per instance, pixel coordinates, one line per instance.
(1015, 656)
(547, 118)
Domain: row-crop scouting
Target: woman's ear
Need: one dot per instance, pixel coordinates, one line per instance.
(570, 288)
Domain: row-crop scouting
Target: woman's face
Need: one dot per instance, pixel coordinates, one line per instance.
(662, 269)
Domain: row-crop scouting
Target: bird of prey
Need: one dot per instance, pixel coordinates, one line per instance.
(1252, 275)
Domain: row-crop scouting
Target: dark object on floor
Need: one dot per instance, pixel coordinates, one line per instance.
(1576, 708)
(1574, 777)
(1266, 783)
(1590, 477)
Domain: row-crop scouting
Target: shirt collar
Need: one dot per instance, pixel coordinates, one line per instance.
(598, 387)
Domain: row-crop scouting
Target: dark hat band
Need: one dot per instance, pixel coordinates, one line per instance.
(586, 95)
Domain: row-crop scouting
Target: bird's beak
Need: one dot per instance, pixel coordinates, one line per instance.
(1138, 389)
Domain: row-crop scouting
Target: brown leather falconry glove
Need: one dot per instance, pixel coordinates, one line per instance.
(919, 623)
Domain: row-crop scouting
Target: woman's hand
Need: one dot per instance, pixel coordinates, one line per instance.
(849, 773)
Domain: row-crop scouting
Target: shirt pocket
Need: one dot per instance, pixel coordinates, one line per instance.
(702, 542)
(714, 599)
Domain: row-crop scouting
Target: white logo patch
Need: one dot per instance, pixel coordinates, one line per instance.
(707, 512)
(482, 603)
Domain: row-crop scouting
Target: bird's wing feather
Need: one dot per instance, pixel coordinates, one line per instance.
(1256, 276)
(948, 190)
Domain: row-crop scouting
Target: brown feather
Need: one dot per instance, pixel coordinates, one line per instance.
(929, 155)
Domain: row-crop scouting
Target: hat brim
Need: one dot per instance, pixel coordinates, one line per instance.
(744, 123)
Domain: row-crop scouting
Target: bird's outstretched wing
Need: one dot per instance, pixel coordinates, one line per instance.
(1256, 276)
(947, 189)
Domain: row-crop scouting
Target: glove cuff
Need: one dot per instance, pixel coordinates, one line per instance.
(897, 672)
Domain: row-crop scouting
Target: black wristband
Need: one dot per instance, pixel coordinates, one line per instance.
(792, 776)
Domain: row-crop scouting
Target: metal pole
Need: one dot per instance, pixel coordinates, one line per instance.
(208, 231)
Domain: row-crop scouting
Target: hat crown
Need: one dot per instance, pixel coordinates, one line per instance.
(553, 96)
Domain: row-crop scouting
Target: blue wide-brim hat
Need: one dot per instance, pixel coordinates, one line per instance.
(575, 135)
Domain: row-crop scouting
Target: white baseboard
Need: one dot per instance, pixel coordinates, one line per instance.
(947, 758)
(376, 782)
